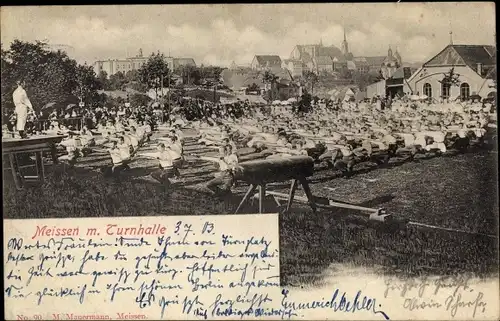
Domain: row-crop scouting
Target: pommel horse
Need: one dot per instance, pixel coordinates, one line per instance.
(296, 168)
(34, 144)
(258, 173)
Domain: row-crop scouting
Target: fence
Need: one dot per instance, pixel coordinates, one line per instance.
(76, 122)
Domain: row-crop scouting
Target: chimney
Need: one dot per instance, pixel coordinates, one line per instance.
(479, 68)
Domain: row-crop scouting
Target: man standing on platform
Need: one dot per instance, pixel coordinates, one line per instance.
(23, 107)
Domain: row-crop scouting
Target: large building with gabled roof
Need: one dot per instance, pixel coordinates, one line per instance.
(319, 58)
(266, 62)
(471, 68)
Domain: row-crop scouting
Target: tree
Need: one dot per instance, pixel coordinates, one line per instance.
(137, 86)
(305, 102)
(139, 100)
(132, 76)
(103, 80)
(50, 76)
(345, 73)
(211, 72)
(190, 75)
(117, 81)
(311, 79)
(362, 80)
(451, 78)
(133, 81)
(7, 80)
(152, 72)
(268, 78)
(87, 84)
(252, 88)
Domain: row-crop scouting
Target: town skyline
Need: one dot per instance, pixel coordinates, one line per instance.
(221, 34)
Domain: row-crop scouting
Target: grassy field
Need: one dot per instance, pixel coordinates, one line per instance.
(457, 191)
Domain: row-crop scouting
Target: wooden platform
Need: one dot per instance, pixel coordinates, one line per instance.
(34, 144)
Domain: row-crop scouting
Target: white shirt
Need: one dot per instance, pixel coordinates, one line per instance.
(409, 139)
(124, 151)
(228, 162)
(437, 136)
(271, 138)
(115, 155)
(282, 142)
(140, 132)
(119, 126)
(133, 140)
(461, 133)
(420, 139)
(70, 144)
(346, 150)
(380, 145)
(21, 99)
(389, 139)
(174, 154)
(309, 144)
(165, 158)
(177, 147)
(87, 137)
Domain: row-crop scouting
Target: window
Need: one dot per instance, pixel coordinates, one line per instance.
(464, 91)
(445, 89)
(427, 90)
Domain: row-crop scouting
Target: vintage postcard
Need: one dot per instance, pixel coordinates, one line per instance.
(250, 161)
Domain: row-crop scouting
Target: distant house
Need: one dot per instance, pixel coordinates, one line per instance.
(344, 93)
(301, 52)
(473, 67)
(266, 62)
(376, 89)
(241, 79)
(323, 64)
(339, 64)
(178, 62)
(351, 65)
(296, 67)
(285, 89)
(397, 84)
(317, 57)
(113, 66)
(369, 64)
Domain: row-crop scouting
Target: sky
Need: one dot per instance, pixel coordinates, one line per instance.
(217, 34)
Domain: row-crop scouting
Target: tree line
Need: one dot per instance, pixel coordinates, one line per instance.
(53, 77)
(50, 76)
(149, 76)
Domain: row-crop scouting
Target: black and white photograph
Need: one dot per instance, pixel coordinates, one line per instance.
(370, 128)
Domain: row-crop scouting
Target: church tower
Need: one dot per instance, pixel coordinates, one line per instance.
(398, 58)
(345, 46)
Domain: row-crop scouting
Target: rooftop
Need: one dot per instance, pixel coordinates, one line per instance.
(402, 73)
(372, 61)
(268, 59)
(323, 60)
(469, 55)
